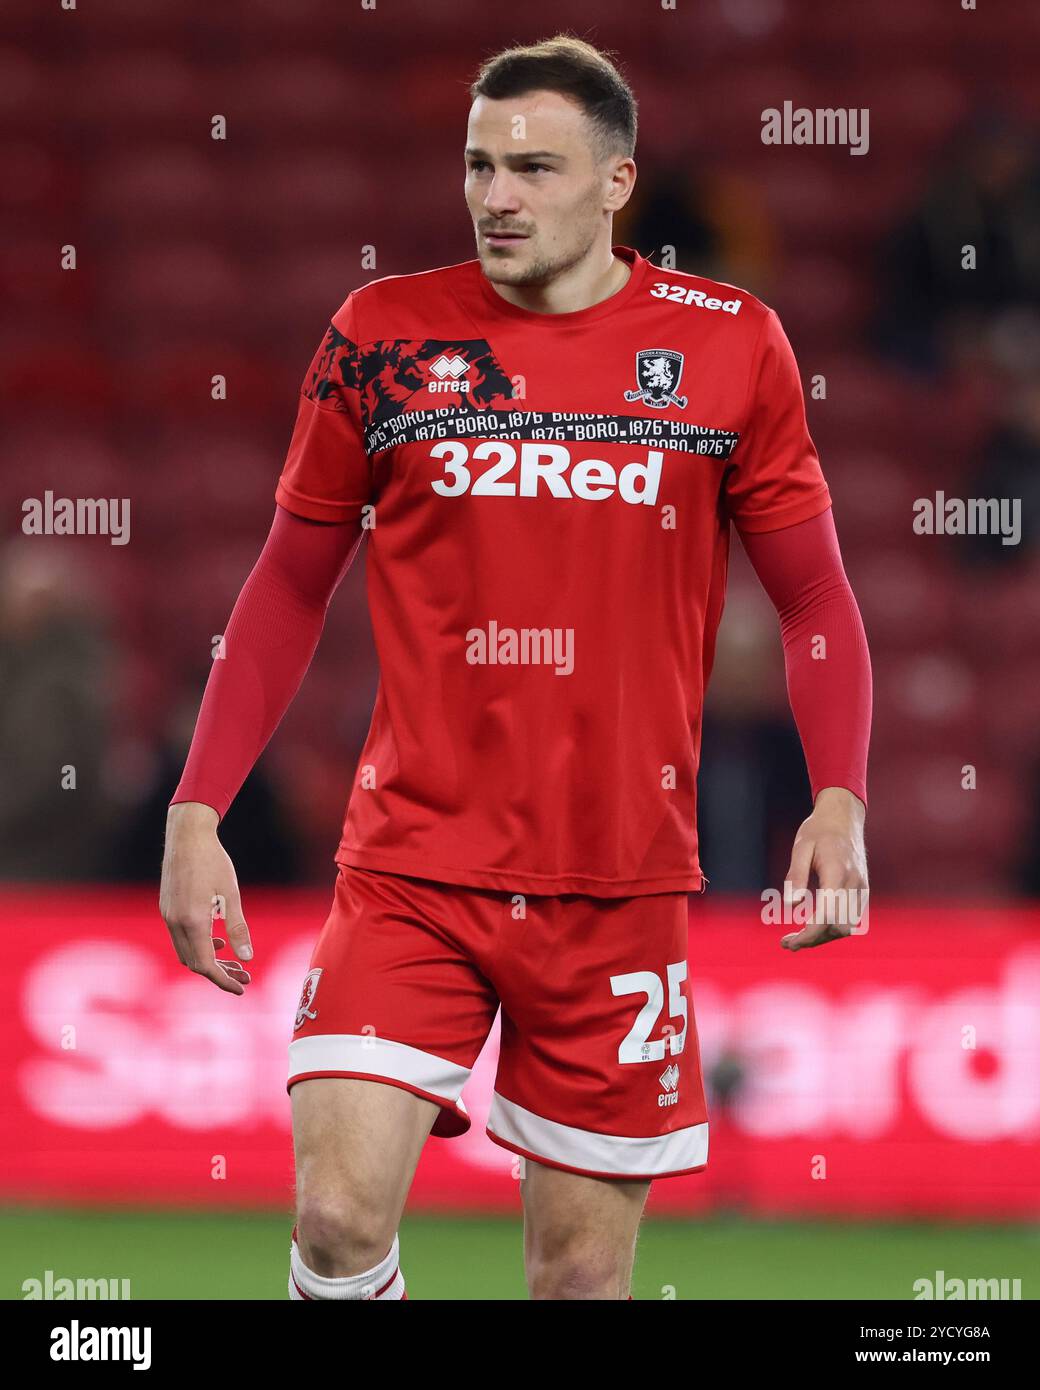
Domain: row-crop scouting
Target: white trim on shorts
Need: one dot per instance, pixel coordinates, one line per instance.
(584, 1151)
(367, 1053)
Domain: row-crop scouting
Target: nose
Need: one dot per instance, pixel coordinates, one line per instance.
(501, 198)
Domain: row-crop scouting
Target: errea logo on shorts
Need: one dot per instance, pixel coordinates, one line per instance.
(669, 1083)
(542, 469)
(679, 294)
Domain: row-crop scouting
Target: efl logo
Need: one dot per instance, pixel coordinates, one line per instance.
(540, 467)
(449, 372)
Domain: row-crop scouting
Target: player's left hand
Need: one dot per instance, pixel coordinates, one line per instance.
(830, 845)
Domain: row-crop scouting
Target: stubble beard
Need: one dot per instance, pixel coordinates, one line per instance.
(537, 273)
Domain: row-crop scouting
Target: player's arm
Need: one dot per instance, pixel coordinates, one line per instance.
(270, 640)
(779, 501)
(829, 686)
(271, 637)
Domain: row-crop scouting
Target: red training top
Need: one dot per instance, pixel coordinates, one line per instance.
(547, 500)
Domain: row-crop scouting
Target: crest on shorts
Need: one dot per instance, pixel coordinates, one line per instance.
(310, 989)
(658, 373)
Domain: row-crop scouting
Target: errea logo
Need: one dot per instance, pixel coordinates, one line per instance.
(679, 294)
(449, 372)
(669, 1082)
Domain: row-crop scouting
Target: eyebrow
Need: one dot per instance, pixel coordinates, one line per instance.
(522, 155)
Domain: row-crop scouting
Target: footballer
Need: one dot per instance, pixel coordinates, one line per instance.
(545, 447)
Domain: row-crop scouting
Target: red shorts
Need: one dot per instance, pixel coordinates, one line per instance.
(599, 1070)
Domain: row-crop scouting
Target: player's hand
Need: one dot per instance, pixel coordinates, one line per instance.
(198, 897)
(829, 845)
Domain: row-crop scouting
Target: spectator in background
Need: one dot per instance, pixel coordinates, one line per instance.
(715, 221)
(986, 196)
(55, 656)
(255, 832)
(1009, 467)
(726, 1079)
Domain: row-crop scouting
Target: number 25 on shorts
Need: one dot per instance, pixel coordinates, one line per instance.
(638, 1046)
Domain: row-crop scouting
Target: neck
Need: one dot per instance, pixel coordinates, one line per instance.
(594, 278)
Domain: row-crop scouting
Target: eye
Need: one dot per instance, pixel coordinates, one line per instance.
(477, 165)
(543, 167)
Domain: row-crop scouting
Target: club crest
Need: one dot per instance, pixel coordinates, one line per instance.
(310, 989)
(658, 373)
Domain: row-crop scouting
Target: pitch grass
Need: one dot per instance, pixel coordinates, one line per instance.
(202, 1255)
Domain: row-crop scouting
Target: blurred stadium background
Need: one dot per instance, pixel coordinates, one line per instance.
(144, 1116)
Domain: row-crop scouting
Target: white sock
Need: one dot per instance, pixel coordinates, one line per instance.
(383, 1283)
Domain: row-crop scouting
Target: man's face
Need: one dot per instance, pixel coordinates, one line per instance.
(537, 192)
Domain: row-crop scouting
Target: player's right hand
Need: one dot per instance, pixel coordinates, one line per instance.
(198, 895)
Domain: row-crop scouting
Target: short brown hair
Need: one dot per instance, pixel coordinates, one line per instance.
(575, 69)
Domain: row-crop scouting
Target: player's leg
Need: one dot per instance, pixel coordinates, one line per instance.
(579, 1233)
(357, 1144)
(392, 1016)
(599, 1082)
